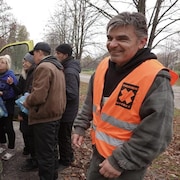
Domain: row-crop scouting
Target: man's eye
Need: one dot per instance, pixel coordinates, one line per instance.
(122, 38)
(109, 38)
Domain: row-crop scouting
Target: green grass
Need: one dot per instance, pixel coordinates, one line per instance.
(176, 112)
(88, 72)
(177, 123)
(83, 92)
(178, 82)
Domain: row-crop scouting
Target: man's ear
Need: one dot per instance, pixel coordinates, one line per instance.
(143, 42)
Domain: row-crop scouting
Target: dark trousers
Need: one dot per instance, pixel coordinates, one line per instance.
(6, 126)
(93, 171)
(27, 133)
(64, 141)
(45, 140)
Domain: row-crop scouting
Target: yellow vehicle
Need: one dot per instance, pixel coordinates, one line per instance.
(17, 51)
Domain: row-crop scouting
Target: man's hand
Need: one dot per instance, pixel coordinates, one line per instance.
(108, 171)
(1, 93)
(77, 140)
(20, 118)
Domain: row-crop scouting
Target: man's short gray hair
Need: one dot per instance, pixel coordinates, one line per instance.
(135, 19)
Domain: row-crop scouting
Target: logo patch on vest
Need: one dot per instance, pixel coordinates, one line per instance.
(127, 95)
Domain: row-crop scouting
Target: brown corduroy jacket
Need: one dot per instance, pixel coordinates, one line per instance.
(47, 100)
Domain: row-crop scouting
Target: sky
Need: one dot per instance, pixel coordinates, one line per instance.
(33, 14)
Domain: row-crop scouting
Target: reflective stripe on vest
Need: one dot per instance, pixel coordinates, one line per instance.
(114, 123)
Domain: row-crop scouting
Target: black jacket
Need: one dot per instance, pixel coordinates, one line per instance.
(71, 71)
(24, 85)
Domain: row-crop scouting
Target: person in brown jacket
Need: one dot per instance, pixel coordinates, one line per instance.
(46, 104)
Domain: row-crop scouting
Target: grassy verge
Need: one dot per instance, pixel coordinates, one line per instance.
(88, 72)
(83, 91)
(178, 82)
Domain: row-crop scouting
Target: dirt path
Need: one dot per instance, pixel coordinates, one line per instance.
(11, 168)
(75, 172)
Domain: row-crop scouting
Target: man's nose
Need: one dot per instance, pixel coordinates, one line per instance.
(113, 43)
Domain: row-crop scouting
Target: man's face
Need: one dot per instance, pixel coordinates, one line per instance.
(122, 44)
(38, 56)
(60, 56)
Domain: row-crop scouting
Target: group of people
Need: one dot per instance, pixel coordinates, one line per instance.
(53, 86)
(129, 106)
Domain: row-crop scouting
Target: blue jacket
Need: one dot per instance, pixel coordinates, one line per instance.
(8, 92)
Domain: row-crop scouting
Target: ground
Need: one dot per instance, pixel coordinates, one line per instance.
(166, 167)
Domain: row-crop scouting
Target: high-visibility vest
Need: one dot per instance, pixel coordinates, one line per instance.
(114, 122)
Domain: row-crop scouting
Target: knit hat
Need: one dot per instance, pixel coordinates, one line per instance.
(43, 46)
(65, 49)
(30, 58)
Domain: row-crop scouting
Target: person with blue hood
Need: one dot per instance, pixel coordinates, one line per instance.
(8, 95)
(72, 70)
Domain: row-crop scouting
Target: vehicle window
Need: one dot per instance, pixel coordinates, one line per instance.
(16, 53)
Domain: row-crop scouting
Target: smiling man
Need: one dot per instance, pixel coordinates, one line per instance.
(129, 104)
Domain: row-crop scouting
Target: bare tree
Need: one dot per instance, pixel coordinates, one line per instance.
(140, 6)
(168, 56)
(6, 22)
(73, 23)
(162, 16)
(22, 34)
(10, 30)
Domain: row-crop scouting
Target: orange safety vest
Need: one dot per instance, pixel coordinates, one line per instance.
(113, 124)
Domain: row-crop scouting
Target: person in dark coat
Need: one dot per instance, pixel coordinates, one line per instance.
(24, 86)
(72, 78)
